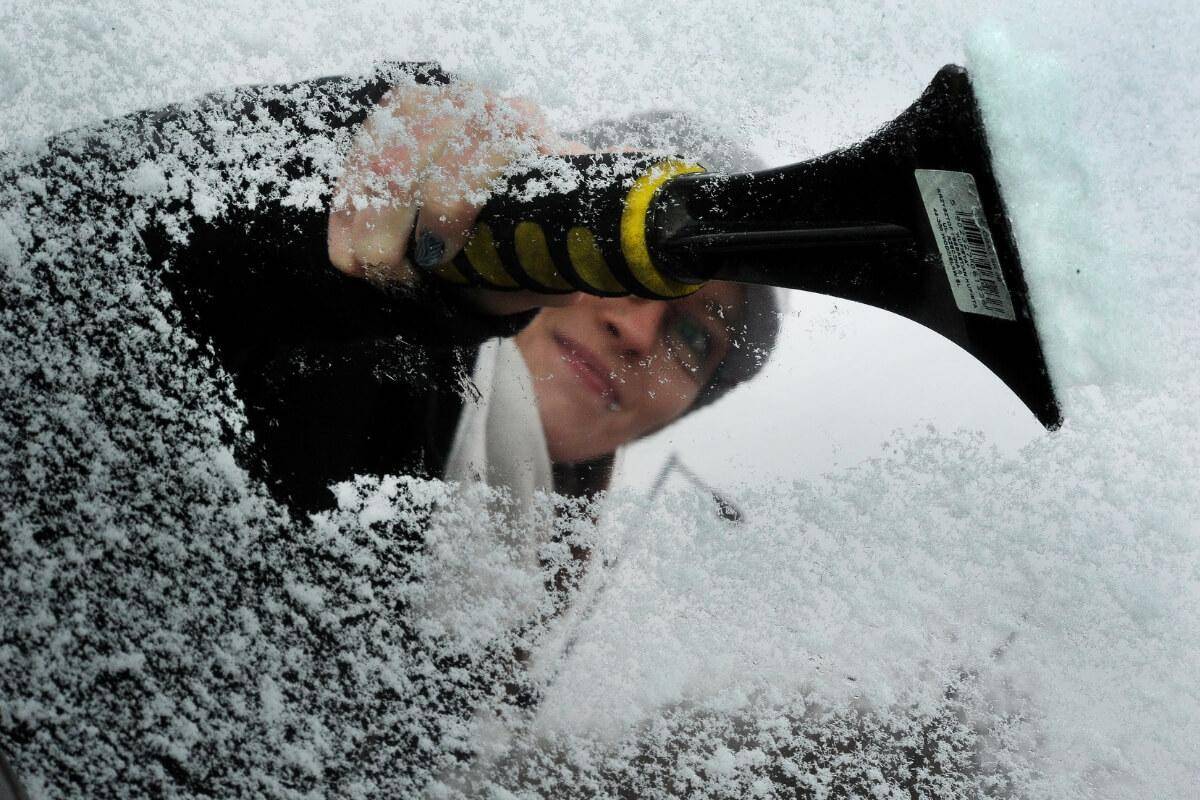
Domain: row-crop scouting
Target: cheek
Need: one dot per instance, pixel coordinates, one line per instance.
(542, 359)
(662, 399)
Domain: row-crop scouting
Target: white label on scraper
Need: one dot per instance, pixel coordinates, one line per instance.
(968, 254)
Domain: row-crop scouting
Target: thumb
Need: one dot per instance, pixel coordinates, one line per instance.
(441, 230)
(460, 174)
(451, 196)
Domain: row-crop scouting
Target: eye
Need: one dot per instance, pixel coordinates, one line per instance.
(689, 341)
(696, 337)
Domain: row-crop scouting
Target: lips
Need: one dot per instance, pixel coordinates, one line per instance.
(589, 368)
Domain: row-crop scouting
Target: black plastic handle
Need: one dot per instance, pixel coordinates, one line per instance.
(576, 223)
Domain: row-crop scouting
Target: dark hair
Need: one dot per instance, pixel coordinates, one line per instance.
(753, 338)
(750, 345)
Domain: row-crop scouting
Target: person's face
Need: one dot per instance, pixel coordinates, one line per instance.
(607, 371)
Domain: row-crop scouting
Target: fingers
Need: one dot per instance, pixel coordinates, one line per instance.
(373, 211)
(369, 242)
(488, 135)
(441, 232)
(419, 171)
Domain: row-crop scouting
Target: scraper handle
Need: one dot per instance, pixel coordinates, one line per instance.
(575, 223)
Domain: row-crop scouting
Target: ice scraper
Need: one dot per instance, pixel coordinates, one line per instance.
(910, 220)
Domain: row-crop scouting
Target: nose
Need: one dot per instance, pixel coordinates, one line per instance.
(634, 324)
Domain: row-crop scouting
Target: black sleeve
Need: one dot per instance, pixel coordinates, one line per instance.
(257, 272)
(230, 195)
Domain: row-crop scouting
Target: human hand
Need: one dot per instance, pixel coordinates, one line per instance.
(420, 168)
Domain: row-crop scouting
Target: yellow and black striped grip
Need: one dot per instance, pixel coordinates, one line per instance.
(576, 223)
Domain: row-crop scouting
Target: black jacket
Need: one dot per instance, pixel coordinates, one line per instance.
(165, 300)
(337, 378)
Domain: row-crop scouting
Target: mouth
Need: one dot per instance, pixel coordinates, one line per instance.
(589, 369)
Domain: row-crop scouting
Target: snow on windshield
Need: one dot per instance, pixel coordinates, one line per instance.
(994, 611)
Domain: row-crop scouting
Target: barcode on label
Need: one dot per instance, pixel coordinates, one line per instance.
(983, 258)
(964, 242)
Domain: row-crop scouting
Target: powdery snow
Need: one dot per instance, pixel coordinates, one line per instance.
(954, 614)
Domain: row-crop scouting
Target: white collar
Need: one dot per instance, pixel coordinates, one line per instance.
(499, 439)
